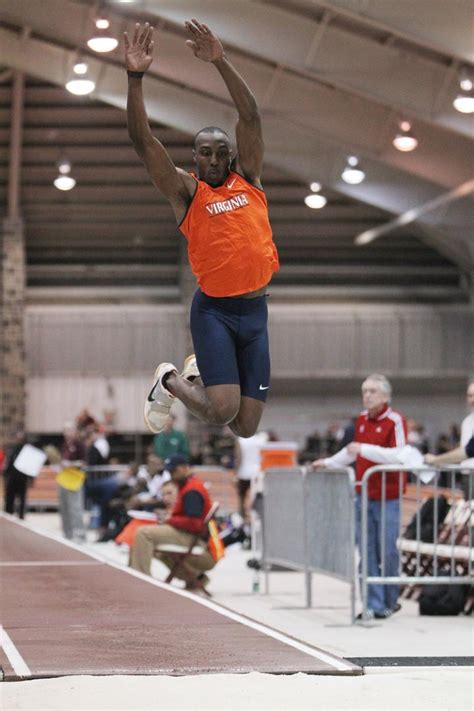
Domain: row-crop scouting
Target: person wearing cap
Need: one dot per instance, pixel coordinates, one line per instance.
(180, 528)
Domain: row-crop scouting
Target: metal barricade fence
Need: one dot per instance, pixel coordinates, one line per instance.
(447, 559)
(308, 524)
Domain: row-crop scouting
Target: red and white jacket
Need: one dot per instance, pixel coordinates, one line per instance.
(382, 437)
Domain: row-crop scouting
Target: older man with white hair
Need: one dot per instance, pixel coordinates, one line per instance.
(379, 438)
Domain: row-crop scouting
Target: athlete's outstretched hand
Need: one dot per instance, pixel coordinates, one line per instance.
(139, 52)
(205, 45)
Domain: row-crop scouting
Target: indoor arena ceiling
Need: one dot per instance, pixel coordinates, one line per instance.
(333, 78)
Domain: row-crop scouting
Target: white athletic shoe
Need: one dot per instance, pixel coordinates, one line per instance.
(190, 369)
(159, 401)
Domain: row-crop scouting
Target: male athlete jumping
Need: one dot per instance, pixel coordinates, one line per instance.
(223, 214)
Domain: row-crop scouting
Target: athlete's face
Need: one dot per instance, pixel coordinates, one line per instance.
(212, 157)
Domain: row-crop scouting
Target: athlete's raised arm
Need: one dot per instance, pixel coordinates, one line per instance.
(175, 184)
(207, 46)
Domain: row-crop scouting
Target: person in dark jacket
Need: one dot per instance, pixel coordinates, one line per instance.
(16, 483)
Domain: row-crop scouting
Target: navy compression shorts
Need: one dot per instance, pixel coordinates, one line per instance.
(230, 340)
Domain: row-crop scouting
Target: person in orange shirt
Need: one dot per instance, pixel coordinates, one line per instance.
(223, 214)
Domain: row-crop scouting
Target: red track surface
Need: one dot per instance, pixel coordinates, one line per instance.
(68, 613)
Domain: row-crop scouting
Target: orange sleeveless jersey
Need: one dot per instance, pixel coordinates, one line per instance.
(230, 245)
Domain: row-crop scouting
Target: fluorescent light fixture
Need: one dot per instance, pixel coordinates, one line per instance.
(64, 182)
(353, 174)
(80, 84)
(405, 141)
(315, 201)
(102, 40)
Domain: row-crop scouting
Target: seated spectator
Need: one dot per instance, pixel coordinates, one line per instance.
(181, 528)
(170, 441)
(150, 479)
(169, 492)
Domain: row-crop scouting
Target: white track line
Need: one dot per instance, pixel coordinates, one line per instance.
(19, 665)
(279, 636)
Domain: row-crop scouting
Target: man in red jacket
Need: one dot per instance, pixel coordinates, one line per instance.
(185, 522)
(379, 438)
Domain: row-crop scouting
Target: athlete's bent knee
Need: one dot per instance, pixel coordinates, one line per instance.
(223, 413)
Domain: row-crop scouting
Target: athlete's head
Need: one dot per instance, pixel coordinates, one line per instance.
(212, 155)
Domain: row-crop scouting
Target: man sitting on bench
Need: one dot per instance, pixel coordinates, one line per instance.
(170, 541)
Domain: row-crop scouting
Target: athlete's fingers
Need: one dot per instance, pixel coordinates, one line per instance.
(143, 35)
(207, 30)
(135, 34)
(126, 40)
(199, 26)
(192, 45)
(149, 36)
(191, 28)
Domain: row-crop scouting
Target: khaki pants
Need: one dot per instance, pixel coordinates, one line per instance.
(148, 541)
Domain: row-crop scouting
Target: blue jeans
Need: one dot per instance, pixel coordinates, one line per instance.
(380, 597)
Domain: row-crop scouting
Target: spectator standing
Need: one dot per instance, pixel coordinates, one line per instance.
(16, 483)
(379, 425)
(467, 427)
(170, 441)
(71, 501)
(247, 467)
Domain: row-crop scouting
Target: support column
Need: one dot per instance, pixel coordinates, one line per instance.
(12, 350)
(12, 285)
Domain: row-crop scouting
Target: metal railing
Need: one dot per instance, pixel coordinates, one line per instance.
(446, 559)
(309, 524)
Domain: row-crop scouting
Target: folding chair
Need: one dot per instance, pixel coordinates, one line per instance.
(180, 554)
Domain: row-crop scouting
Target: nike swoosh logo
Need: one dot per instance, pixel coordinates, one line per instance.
(263, 388)
(229, 185)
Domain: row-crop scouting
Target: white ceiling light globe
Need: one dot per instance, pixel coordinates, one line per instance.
(405, 142)
(64, 182)
(353, 176)
(80, 87)
(102, 23)
(102, 44)
(315, 187)
(316, 202)
(464, 103)
(80, 68)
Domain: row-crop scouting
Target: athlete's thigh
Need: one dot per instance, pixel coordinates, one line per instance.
(253, 357)
(214, 343)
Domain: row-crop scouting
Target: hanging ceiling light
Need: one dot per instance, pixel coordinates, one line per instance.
(315, 201)
(464, 101)
(64, 181)
(102, 40)
(353, 174)
(405, 141)
(80, 84)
